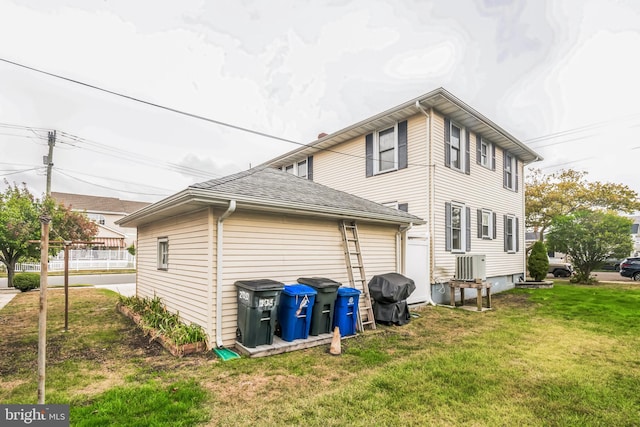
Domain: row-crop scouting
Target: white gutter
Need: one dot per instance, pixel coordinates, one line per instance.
(431, 211)
(231, 209)
(205, 197)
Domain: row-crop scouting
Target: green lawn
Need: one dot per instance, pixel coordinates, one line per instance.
(565, 356)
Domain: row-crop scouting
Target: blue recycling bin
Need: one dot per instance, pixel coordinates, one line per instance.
(345, 313)
(294, 311)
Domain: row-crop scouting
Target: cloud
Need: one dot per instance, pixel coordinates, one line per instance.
(435, 61)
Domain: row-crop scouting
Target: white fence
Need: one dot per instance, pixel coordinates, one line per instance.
(85, 259)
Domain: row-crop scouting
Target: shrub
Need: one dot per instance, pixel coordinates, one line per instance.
(538, 262)
(156, 319)
(26, 281)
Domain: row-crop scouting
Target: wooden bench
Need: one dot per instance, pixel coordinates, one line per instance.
(478, 285)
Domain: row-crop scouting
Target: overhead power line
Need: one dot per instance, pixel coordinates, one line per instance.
(184, 113)
(138, 158)
(192, 171)
(19, 171)
(109, 187)
(153, 104)
(111, 179)
(579, 129)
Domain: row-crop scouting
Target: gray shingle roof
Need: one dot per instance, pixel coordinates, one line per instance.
(272, 185)
(98, 204)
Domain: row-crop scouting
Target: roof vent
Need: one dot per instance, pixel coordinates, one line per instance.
(322, 135)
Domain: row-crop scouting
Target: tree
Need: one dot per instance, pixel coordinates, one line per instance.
(19, 223)
(588, 238)
(538, 262)
(567, 191)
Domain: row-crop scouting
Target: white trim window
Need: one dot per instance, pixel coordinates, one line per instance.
(456, 147)
(486, 224)
(510, 171)
(163, 253)
(457, 227)
(457, 236)
(404, 207)
(386, 149)
(97, 218)
(511, 240)
(302, 168)
(486, 153)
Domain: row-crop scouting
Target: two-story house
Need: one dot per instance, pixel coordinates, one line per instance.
(104, 211)
(439, 159)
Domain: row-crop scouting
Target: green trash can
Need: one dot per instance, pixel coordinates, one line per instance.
(257, 311)
(322, 311)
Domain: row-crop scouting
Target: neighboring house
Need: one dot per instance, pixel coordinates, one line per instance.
(104, 211)
(439, 159)
(258, 224)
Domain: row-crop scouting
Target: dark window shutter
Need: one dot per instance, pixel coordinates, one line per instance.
(479, 223)
(402, 145)
(310, 168)
(468, 220)
(516, 174)
(447, 142)
(369, 153)
(495, 225)
(506, 244)
(404, 207)
(467, 156)
(447, 226)
(517, 235)
(478, 149)
(493, 157)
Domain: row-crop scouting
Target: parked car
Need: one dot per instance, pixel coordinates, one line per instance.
(560, 268)
(612, 264)
(630, 267)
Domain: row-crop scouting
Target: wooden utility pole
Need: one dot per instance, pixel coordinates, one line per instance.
(42, 320)
(49, 160)
(45, 219)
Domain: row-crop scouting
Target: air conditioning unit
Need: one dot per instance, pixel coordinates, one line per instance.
(471, 267)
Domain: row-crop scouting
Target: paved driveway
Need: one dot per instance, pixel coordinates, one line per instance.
(607, 276)
(126, 289)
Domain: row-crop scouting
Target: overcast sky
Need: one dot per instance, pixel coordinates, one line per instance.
(559, 75)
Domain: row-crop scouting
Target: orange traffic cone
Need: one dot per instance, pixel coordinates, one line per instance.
(335, 348)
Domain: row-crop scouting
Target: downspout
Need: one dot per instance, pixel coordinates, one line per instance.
(431, 211)
(523, 226)
(219, 270)
(210, 259)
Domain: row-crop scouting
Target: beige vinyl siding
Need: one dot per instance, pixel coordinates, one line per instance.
(284, 248)
(348, 172)
(183, 287)
(481, 189)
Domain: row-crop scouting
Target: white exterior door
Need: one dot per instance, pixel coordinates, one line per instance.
(417, 268)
